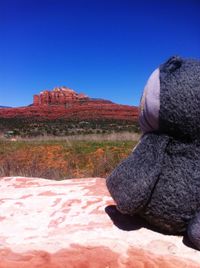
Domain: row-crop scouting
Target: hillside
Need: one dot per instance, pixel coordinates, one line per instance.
(63, 111)
(65, 103)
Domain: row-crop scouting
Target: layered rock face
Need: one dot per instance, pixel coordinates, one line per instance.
(75, 224)
(58, 96)
(67, 104)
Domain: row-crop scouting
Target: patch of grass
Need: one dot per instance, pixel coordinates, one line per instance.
(61, 159)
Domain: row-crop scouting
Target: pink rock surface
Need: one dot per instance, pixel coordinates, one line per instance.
(74, 223)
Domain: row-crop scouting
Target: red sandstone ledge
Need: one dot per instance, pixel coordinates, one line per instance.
(74, 223)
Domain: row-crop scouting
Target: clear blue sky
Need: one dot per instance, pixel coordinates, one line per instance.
(104, 48)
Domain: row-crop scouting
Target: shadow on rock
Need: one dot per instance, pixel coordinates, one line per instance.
(130, 223)
(123, 221)
(188, 243)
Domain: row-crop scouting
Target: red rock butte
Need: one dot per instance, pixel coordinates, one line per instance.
(65, 103)
(58, 96)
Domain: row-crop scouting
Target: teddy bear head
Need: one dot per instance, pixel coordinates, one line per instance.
(171, 99)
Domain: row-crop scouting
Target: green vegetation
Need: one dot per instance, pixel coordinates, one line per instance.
(62, 149)
(61, 159)
(62, 127)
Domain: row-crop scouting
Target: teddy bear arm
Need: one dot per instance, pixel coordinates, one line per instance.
(133, 180)
(193, 231)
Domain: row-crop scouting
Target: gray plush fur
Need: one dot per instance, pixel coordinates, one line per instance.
(160, 180)
(179, 114)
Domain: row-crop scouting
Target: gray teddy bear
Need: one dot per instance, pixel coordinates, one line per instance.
(160, 180)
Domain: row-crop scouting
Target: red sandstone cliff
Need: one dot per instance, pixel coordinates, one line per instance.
(58, 96)
(67, 104)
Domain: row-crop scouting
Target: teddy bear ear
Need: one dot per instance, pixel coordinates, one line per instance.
(172, 64)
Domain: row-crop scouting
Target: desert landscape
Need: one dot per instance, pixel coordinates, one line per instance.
(84, 86)
(63, 134)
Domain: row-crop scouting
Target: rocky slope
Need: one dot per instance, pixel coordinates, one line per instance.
(65, 103)
(75, 224)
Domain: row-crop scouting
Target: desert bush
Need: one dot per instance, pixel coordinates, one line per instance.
(61, 159)
(27, 127)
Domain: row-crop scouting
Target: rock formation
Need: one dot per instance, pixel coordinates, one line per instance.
(65, 103)
(58, 96)
(74, 223)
